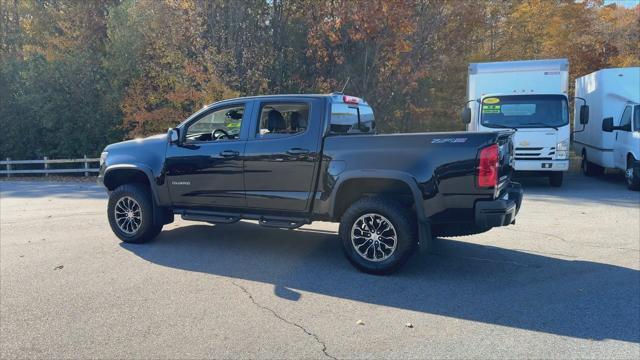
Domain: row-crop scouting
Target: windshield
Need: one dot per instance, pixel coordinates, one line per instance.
(524, 111)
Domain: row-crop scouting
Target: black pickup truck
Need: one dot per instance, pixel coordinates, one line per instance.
(288, 160)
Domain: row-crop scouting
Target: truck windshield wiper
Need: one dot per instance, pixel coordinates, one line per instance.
(542, 124)
(499, 126)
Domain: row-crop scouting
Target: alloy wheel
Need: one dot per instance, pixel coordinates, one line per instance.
(374, 237)
(128, 215)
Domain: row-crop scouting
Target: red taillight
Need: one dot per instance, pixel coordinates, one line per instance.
(488, 166)
(350, 99)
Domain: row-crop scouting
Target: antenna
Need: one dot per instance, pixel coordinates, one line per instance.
(345, 84)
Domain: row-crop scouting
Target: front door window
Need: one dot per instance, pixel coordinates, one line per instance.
(222, 124)
(625, 120)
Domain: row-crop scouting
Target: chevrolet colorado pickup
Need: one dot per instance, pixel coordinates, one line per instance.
(288, 160)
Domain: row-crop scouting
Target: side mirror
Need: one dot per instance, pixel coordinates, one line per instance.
(607, 124)
(465, 115)
(584, 114)
(173, 136)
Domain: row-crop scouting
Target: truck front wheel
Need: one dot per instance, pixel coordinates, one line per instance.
(378, 235)
(632, 174)
(130, 212)
(589, 168)
(555, 178)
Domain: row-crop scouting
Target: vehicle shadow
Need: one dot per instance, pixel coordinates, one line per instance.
(463, 280)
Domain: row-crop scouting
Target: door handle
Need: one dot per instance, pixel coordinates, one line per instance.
(229, 153)
(297, 151)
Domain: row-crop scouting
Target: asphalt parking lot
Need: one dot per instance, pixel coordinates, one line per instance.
(563, 282)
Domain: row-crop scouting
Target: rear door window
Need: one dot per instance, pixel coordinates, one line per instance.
(283, 119)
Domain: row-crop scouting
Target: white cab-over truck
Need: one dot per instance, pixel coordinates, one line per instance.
(611, 137)
(530, 97)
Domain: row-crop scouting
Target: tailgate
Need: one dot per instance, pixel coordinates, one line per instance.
(505, 164)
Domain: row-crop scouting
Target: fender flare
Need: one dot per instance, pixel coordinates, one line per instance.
(137, 167)
(424, 227)
(403, 177)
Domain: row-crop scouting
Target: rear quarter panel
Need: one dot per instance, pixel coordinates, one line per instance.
(441, 164)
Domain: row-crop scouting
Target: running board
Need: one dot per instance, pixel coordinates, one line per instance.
(282, 223)
(279, 222)
(210, 218)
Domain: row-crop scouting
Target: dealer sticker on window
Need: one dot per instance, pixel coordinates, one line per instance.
(490, 109)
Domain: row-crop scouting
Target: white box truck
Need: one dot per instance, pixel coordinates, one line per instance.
(530, 97)
(611, 137)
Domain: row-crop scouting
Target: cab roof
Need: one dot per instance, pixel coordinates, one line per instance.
(334, 98)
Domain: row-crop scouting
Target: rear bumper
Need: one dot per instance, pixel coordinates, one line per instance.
(541, 165)
(500, 212)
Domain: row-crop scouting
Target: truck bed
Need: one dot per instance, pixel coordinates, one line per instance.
(442, 164)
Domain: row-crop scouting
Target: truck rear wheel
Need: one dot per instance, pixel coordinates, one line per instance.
(632, 174)
(130, 212)
(555, 178)
(378, 235)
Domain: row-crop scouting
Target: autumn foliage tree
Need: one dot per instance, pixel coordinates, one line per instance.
(76, 75)
(176, 75)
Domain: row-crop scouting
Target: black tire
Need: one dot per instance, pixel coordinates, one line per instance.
(555, 178)
(147, 228)
(632, 174)
(403, 224)
(589, 168)
(453, 230)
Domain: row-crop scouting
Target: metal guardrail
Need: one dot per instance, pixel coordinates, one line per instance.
(10, 170)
